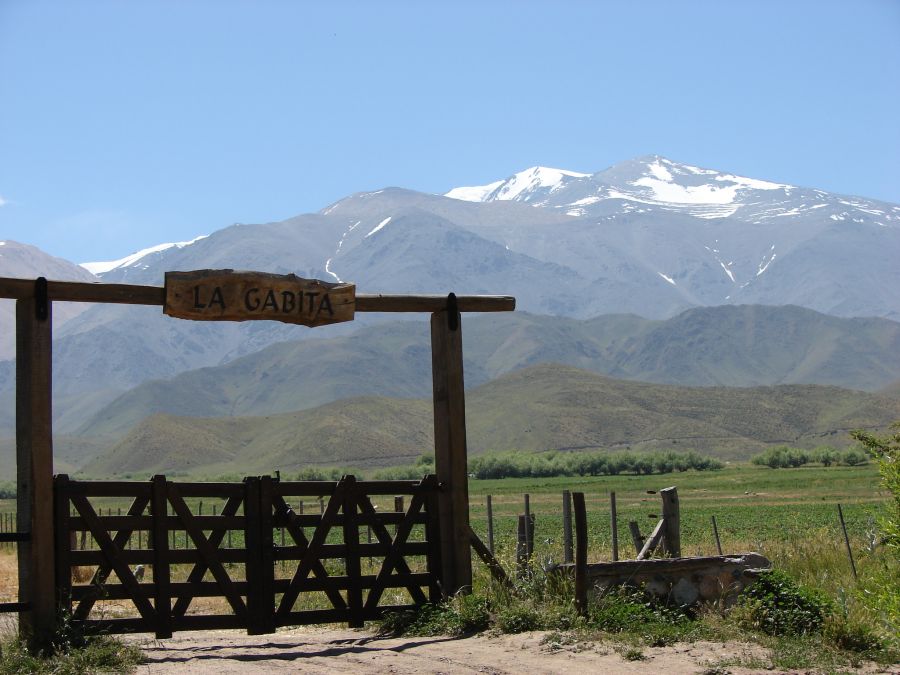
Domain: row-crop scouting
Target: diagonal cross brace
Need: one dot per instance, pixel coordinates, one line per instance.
(311, 557)
(111, 551)
(394, 557)
(102, 573)
(300, 539)
(207, 552)
(199, 571)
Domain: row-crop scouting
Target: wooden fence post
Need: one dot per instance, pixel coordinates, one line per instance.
(568, 552)
(522, 547)
(614, 525)
(581, 546)
(34, 466)
(529, 531)
(490, 525)
(450, 453)
(670, 514)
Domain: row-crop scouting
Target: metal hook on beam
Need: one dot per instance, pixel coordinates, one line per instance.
(41, 299)
(452, 312)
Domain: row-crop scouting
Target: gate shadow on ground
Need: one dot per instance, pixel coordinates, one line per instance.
(226, 652)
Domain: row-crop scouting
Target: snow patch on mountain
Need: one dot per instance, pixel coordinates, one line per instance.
(664, 188)
(518, 187)
(378, 227)
(135, 258)
(476, 193)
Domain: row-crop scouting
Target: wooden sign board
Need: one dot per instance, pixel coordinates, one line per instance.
(226, 295)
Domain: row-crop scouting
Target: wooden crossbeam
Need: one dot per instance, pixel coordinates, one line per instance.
(132, 294)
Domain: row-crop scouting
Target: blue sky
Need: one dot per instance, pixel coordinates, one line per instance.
(126, 124)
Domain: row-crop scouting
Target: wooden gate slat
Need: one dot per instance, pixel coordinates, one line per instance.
(206, 551)
(394, 552)
(101, 536)
(63, 542)
(162, 596)
(83, 610)
(300, 539)
(433, 538)
(199, 570)
(311, 556)
(351, 559)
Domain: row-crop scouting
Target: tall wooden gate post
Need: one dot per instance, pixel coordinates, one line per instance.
(450, 448)
(34, 461)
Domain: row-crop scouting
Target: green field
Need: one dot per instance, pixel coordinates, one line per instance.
(756, 508)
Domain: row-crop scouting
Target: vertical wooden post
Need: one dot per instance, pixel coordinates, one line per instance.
(522, 547)
(450, 451)
(162, 601)
(490, 525)
(529, 529)
(34, 466)
(433, 535)
(581, 545)
(568, 551)
(65, 541)
(716, 534)
(398, 507)
(352, 565)
(670, 514)
(265, 587)
(614, 525)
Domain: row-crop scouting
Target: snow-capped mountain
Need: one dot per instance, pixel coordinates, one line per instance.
(655, 181)
(647, 236)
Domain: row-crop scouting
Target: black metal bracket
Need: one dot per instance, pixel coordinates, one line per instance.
(41, 299)
(15, 606)
(8, 537)
(452, 312)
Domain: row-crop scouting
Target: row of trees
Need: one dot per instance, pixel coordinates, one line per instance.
(539, 465)
(547, 464)
(784, 457)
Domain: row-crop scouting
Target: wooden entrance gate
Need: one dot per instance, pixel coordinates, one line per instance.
(255, 562)
(40, 543)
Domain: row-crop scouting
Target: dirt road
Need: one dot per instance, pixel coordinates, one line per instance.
(346, 651)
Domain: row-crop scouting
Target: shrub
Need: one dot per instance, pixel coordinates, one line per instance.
(518, 618)
(825, 455)
(324, 473)
(781, 457)
(461, 615)
(778, 605)
(853, 457)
